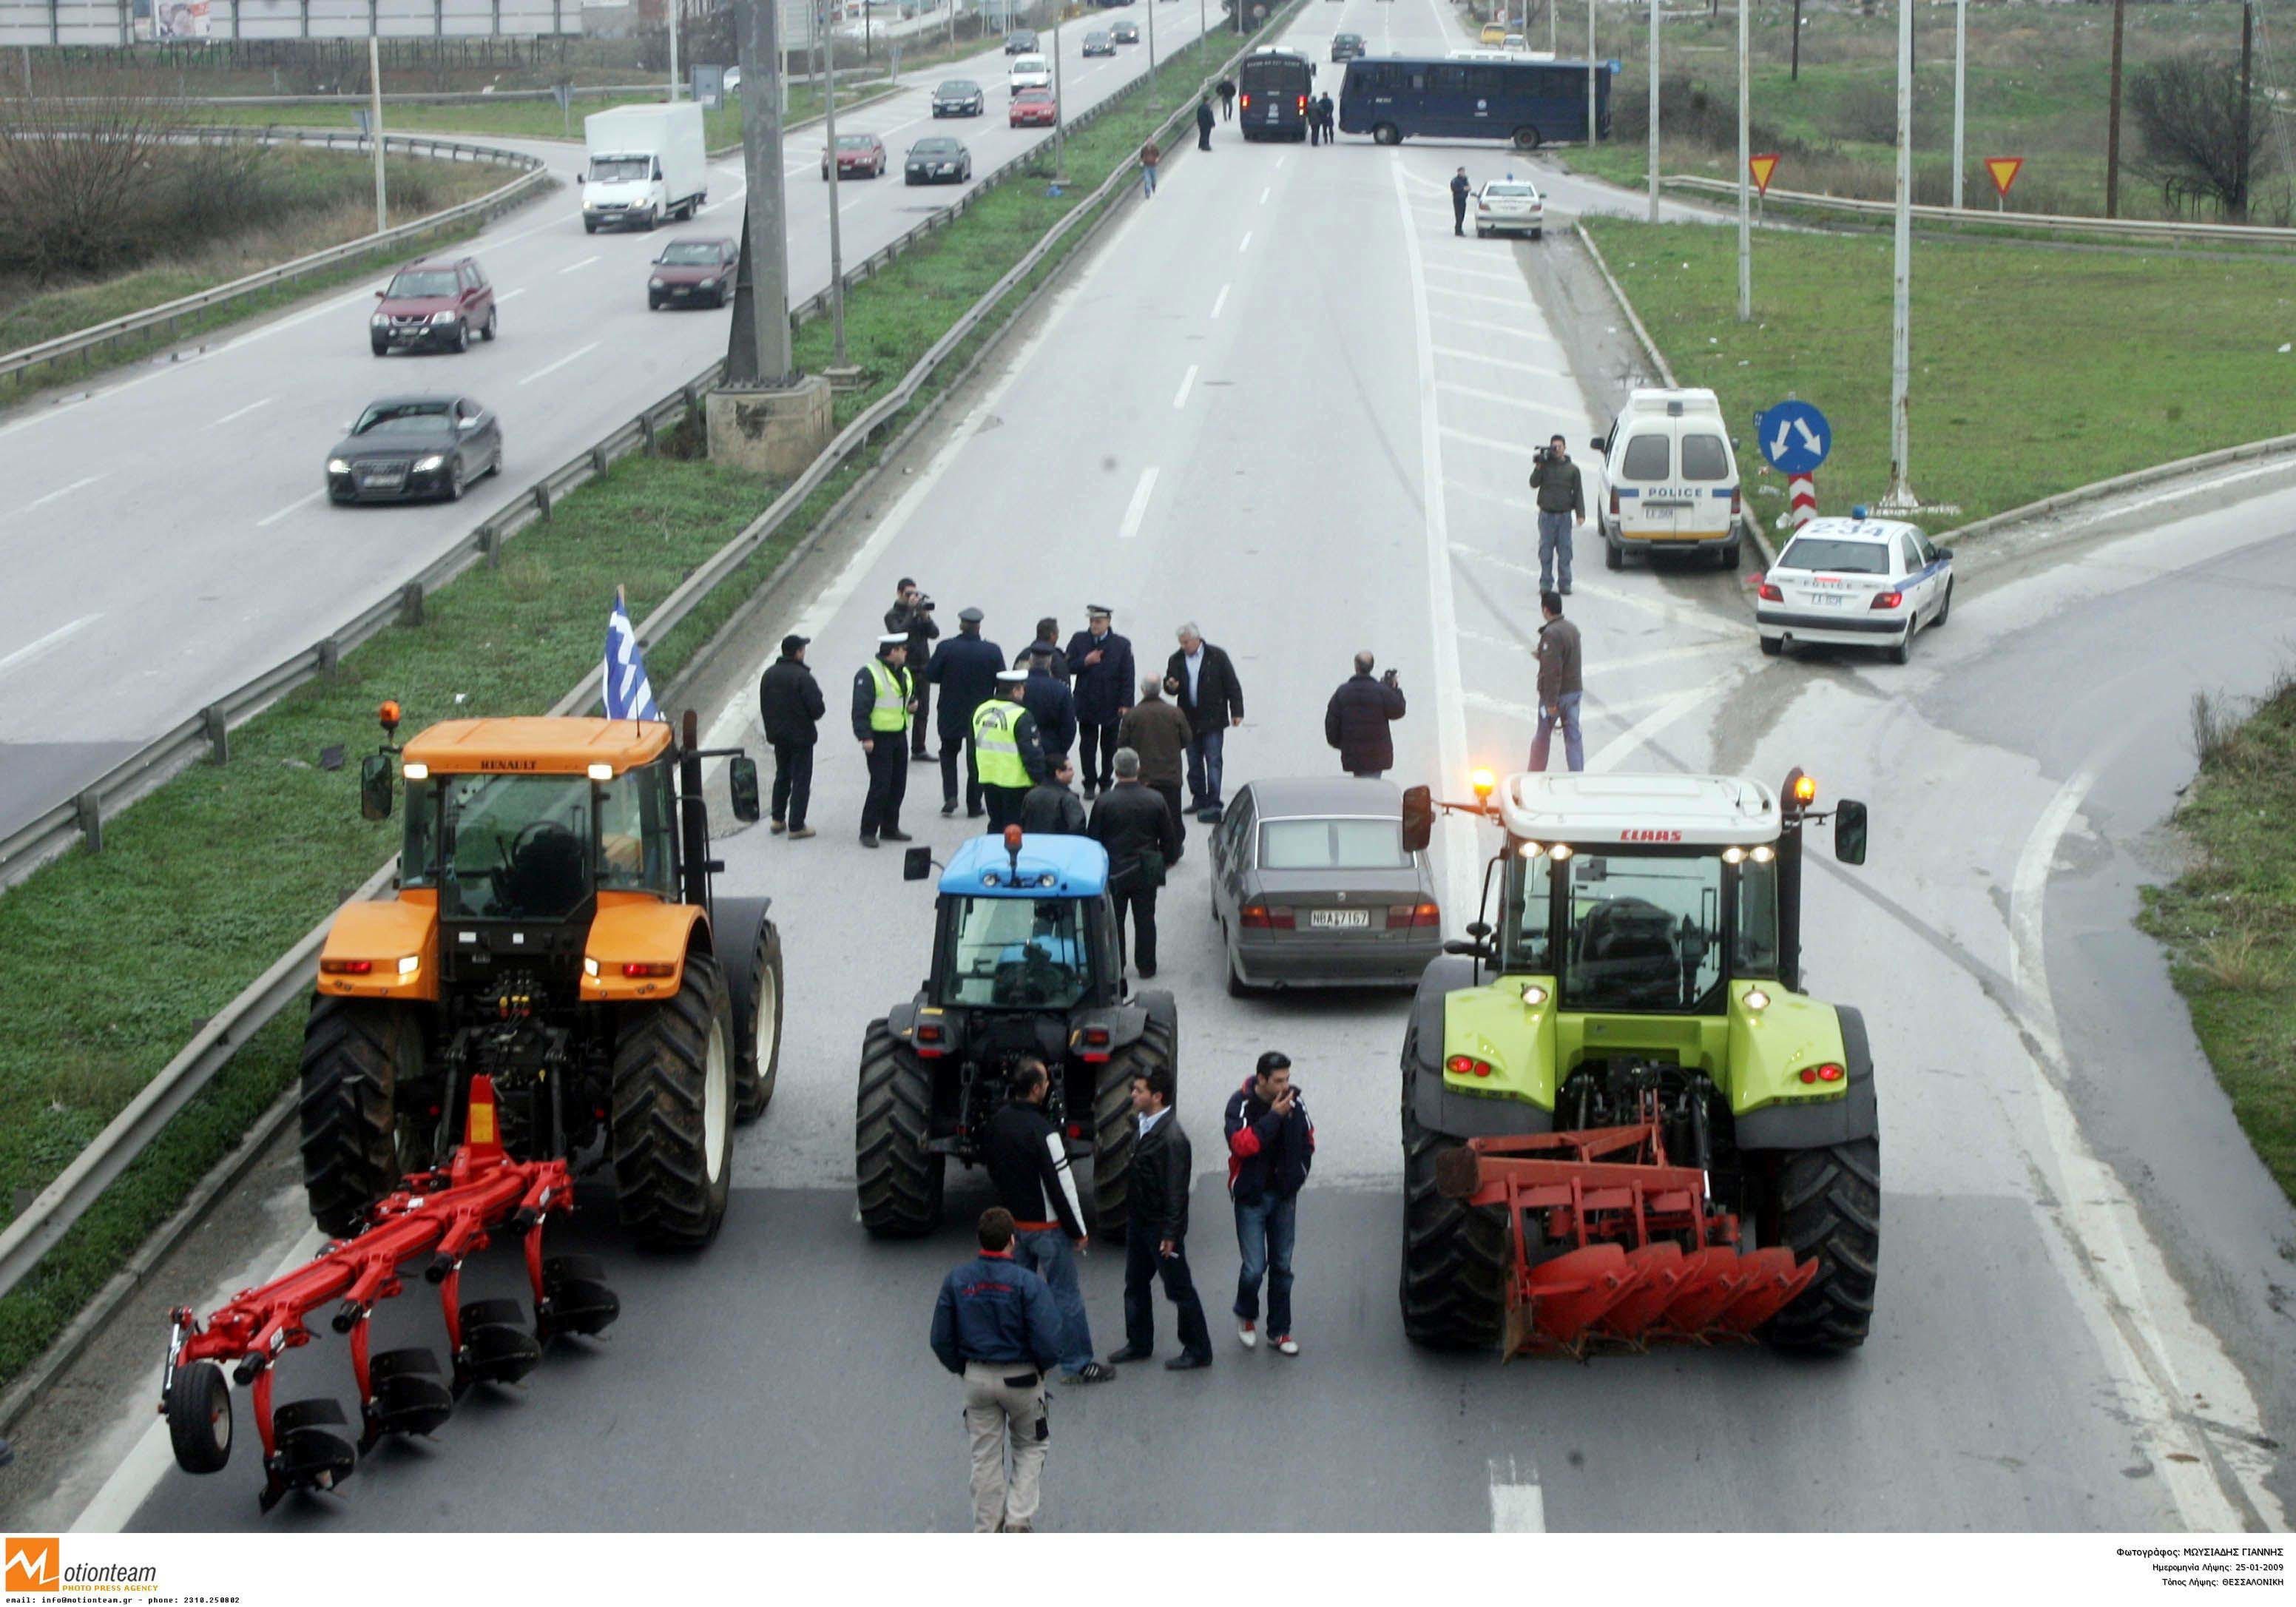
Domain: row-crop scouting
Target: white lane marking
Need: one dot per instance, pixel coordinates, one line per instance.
(1484, 357)
(1282, 160)
(1187, 383)
(510, 295)
(54, 638)
(300, 502)
(576, 267)
(1517, 1506)
(1498, 396)
(1634, 736)
(243, 412)
(1516, 503)
(1670, 655)
(1264, 194)
(568, 358)
(1136, 510)
(1483, 327)
(1460, 858)
(1512, 303)
(62, 491)
(1682, 618)
(1520, 449)
(269, 329)
(1475, 273)
(1244, 244)
(1220, 300)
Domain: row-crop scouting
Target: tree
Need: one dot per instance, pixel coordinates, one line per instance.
(2202, 136)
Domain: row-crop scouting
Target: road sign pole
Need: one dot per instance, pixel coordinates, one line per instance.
(1960, 96)
(1060, 117)
(1801, 490)
(676, 7)
(1591, 129)
(1900, 495)
(1654, 109)
(1745, 176)
(374, 128)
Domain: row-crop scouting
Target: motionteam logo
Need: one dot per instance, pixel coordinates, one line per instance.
(35, 1567)
(32, 1565)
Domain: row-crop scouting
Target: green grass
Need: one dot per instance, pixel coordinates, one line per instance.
(2035, 369)
(2229, 922)
(91, 1017)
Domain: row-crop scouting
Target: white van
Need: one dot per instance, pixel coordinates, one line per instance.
(1029, 72)
(1673, 478)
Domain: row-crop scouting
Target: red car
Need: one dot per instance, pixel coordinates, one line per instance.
(1033, 108)
(433, 307)
(858, 156)
(694, 273)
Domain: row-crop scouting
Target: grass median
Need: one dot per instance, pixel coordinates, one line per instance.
(109, 963)
(2229, 921)
(2035, 369)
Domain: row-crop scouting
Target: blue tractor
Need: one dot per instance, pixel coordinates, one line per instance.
(1024, 962)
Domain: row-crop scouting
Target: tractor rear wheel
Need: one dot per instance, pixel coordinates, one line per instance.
(896, 1181)
(1112, 1127)
(673, 1111)
(756, 979)
(1827, 1207)
(365, 1122)
(1454, 1256)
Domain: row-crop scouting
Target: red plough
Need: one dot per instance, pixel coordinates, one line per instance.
(1643, 1258)
(446, 1215)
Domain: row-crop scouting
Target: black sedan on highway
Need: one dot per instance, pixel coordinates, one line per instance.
(1347, 47)
(1126, 33)
(1313, 887)
(1099, 43)
(937, 160)
(1021, 42)
(406, 448)
(959, 97)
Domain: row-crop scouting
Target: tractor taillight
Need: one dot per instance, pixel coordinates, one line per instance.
(1770, 593)
(1094, 1049)
(1467, 1065)
(648, 968)
(931, 1040)
(1827, 1073)
(346, 968)
(1076, 1129)
(1888, 599)
(1096, 1038)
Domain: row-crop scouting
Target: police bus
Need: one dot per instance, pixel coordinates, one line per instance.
(1528, 103)
(1273, 88)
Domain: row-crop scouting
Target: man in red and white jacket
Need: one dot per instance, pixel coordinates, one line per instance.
(1271, 1145)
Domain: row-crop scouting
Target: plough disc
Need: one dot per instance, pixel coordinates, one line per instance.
(1771, 1282)
(1659, 1269)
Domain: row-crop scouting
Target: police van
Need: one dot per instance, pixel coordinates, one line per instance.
(1673, 478)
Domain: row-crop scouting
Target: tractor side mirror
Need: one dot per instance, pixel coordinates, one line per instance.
(1418, 820)
(916, 865)
(374, 787)
(1850, 832)
(742, 782)
(1479, 930)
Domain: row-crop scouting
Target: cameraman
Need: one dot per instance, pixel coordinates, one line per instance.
(1271, 1144)
(1561, 503)
(913, 611)
(1356, 719)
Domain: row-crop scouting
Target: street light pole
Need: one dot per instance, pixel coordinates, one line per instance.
(1900, 496)
(1060, 116)
(1960, 97)
(758, 353)
(676, 11)
(1745, 184)
(1152, 43)
(374, 126)
(1591, 128)
(1653, 110)
(836, 239)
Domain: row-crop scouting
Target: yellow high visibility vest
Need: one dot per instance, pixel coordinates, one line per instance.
(890, 711)
(995, 745)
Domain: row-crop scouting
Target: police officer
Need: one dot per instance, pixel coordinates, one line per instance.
(1102, 662)
(1007, 749)
(1460, 190)
(995, 1326)
(882, 703)
(964, 667)
(1048, 697)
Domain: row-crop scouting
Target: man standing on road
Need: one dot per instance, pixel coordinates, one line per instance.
(1460, 189)
(964, 668)
(1356, 721)
(1152, 156)
(1227, 99)
(1159, 733)
(1048, 642)
(1561, 503)
(996, 1326)
(1027, 1162)
(1156, 1242)
(882, 704)
(1051, 806)
(1049, 698)
(1101, 661)
(1142, 839)
(1213, 698)
(912, 612)
(1006, 745)
(1559, 685)
(1324, 114)
(1204, 124)
(790, 708)
(1271, 1144)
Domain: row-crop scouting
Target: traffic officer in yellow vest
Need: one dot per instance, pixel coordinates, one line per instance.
(883, 699)
(1012, 754)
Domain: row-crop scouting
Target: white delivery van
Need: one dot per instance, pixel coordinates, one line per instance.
(1029, 72)
(1673, 478)
(647, 165)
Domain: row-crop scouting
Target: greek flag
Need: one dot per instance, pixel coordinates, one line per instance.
(630, 696)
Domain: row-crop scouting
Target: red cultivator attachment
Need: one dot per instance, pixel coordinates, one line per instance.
(1642, 1259)
(445, 1215)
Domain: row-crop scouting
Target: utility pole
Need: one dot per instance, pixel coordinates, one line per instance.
(1059, 117)
(1745, 169)
(374, 126)
(1795, 73)
(1151, 41)
(836, 238)
(677, 16)
(1653, 110)
(2113, 120)
(1592, 130)
(2247, 105)
(1900, 496)
(1960, 96)
(1554, 22)
(757, 355)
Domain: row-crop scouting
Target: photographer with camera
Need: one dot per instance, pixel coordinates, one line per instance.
(1356, 719)
(912, 612)
(1271, 1144)
(1561, 503)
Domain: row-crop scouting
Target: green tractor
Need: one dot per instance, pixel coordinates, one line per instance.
(1623, 1120)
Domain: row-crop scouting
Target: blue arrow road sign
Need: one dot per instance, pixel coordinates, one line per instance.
(1795, 438)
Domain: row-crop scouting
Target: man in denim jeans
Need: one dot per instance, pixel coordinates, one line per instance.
(1028, 1161)
(1559, 685)
(1271, 1144)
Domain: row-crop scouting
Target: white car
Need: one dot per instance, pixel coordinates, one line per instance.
(1673, 478)
(1855, 582)
(1510, 203)
(1029, 72)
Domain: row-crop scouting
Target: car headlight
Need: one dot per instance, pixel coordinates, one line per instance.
(339, 465)
(380, 318)
(423, 465)
(655, 284)
(448, 317)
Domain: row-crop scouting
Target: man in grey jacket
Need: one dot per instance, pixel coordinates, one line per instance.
(1561, 503)
(1558, 686)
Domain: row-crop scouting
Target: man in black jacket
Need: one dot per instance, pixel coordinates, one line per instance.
(1210, 694)
(1142, 839)
(1048, 644)
(1048, 697)
(1356, 720)
(789, 707)
(1027, 1162)
(1156, 1242)
(1460, 190)
(1101, 661)
(913, 611)
(965, 667)
(1271, 1144)
(1051, 806)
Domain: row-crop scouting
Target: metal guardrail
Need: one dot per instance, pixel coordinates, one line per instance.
(2135, 228)
(50, 1214)
(16, 366)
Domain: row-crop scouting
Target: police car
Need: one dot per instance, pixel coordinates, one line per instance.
(1855, 582)
(1510, 203)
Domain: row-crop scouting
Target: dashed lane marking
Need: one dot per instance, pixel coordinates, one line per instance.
(1136, 510)
(1187, 382)
(571, 357)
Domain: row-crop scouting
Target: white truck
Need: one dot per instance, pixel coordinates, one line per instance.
(647, 165)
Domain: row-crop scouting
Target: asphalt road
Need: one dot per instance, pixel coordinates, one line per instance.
(1285, 402)
(166, 529)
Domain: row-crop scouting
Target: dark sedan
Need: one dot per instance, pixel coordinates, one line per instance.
(938, 160)
(1313, 887)
(1347, 47)
(1099, 43)
(409, 448)
(1020, 42)
(1126, 33)
(959, 97)
(694, 273)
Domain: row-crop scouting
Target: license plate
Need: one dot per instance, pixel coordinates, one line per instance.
(382, 480)
(1339, 917)
(1828, 599)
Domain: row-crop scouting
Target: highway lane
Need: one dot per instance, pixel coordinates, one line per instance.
(1325, 477)
(166, 529)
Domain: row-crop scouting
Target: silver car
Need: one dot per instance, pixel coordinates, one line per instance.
(1313, 887)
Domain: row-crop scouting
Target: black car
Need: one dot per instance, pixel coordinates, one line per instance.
(1099, 43)
(406, 447)
(959, 97)
(1021, 42)
(1347, 47)
(1126, 33)
(938, 160)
